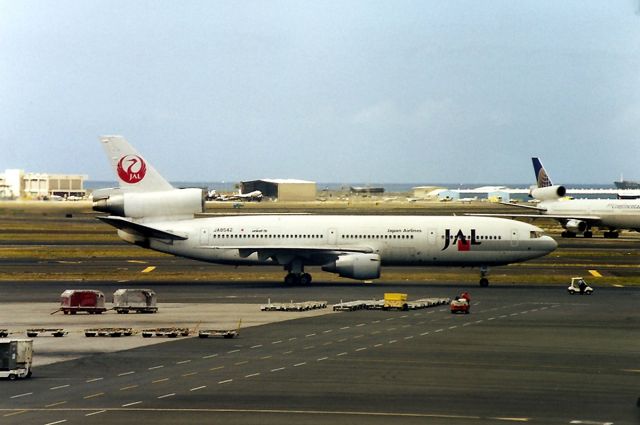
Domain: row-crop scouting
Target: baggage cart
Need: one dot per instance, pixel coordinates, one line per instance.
(134, 300)
(87, 300)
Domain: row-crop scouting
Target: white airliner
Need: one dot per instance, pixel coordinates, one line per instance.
(149, 212)
(578, 215)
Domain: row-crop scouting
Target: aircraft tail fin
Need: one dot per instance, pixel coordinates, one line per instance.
(542, 178)
(132, 170)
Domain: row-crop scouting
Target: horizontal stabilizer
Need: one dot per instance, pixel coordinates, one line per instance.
(145, 230)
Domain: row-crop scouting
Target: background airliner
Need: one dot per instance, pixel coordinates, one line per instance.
(149, 212)
(578, 215)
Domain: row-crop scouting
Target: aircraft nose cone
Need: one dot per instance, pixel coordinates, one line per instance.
(549, 243)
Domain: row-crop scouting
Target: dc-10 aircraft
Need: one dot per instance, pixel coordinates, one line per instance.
(578, 215)
(149, 212)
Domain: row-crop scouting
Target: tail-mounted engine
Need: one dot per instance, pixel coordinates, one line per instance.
(166, 203)
(548, 193)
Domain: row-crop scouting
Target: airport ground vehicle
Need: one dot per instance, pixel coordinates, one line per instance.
(579, 286)
(136, 300)
(16, 356)
(461, 304)
(75, 300)
(395, 300)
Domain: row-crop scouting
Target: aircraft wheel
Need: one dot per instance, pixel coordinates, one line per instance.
(484, 282)
(588, 234)
(305, 279)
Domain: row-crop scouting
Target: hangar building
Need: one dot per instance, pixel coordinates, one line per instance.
(282, 189)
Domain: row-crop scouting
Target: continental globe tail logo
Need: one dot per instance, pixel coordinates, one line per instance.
(131, 169)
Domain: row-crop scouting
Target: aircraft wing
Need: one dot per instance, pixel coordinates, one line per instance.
(143, 229)
(528, 207)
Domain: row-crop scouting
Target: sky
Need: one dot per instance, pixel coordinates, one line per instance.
(332, 91)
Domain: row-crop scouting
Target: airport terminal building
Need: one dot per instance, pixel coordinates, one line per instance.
(15, 184)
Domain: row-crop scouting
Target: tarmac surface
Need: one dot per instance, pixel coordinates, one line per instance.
(533, 354)
(528, 352)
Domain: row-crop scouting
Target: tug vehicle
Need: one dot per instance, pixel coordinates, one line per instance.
(461, 303)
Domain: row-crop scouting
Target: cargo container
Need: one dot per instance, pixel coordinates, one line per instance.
(138, 300)
(395, 300)
(16, 356)
(89, 300)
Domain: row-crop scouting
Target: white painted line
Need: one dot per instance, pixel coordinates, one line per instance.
(95, 413)
(21, 395)
(358, 336)
(216, 368)
(375, 333)
(293, 339)
(226, 381)
(131, 404)
(56, 422)
(189, 374)
(361, 349)
(344, 328)
(327, 343)
(288, 352)
(299, 364)
(309, 347)
(389, 319)
(232, 351)
(252, 375)
(184, 361)
(19, 412)
(159, 380)
(92, 396)
(59, 387)
(241, 363)
(513, 314)
(55, 404)
(513, 419)
(265, 357)
(466, 324)
(167, 395)
(93, 380)
(307, 336)
(128, 387)
(438, 330)
(278, 369)
(491, 318)
(344, 353)
(406, 326)
(590, 422)
(327, 331)
(198, 388)
(391, 329)
(453, 327)
(131, 372)
(256, 346)
(408, 337)
(377, 345)
(210, 356)
(322, 359)
(360, 325)
(503, 316)
(393, 341)
(277, 342)
(155, 367)
(424, 333)
(342, 339)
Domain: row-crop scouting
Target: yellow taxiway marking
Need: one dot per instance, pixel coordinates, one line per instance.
(595, 273)
(149, 269)
(617, 285)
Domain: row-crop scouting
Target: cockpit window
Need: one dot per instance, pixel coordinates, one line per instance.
(535, 234)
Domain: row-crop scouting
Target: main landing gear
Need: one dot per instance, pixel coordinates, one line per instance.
(484, 272)
(297, 279)
(296, 275)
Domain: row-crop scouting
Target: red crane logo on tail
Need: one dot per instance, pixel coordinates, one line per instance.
(131, 169)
